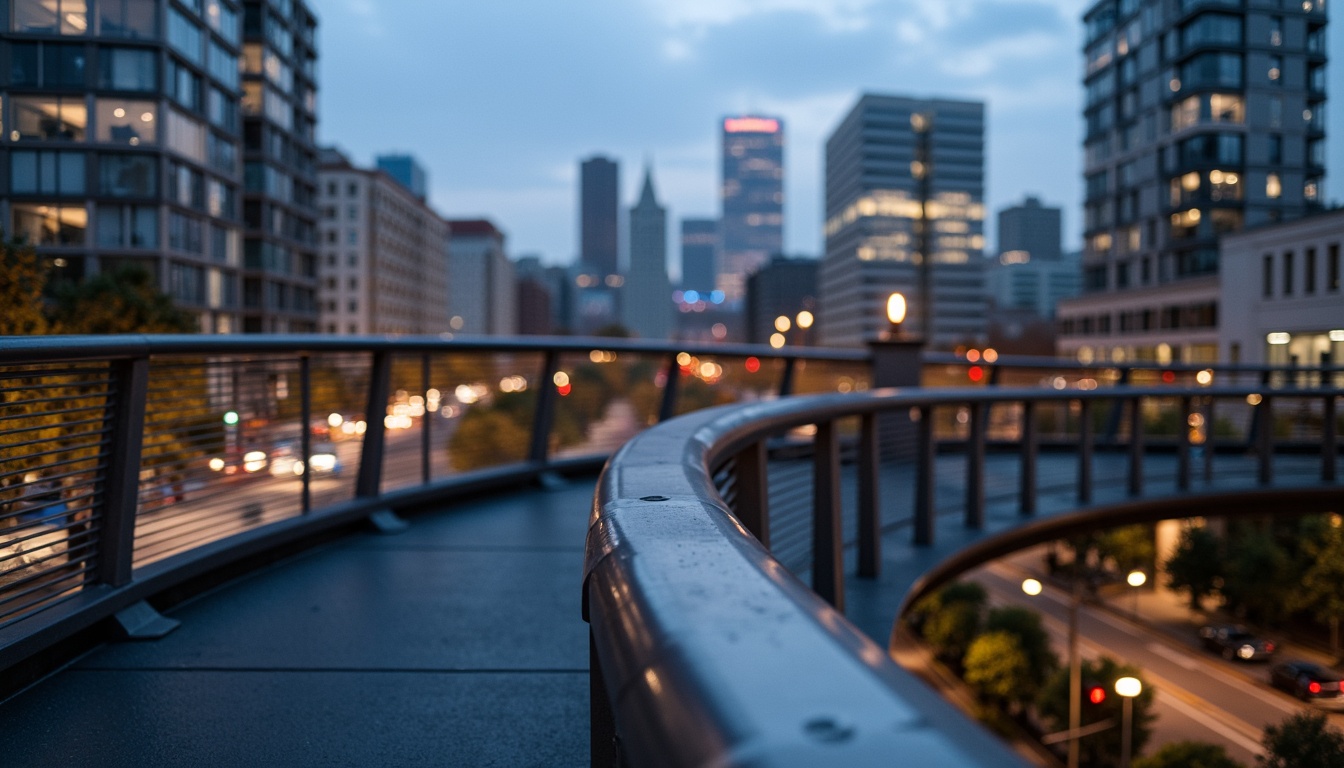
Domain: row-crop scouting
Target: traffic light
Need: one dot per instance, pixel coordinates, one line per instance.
(1094, 693)
(230, 417)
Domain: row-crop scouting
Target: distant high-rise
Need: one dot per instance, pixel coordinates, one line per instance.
(751, 229)
(784, 287)
(1031, 273)
(699, 254)
(646, 305)
(905, 181)
(406, 171)
(1201, 119)
(1031, 227)
(481, 288)
(599, 191)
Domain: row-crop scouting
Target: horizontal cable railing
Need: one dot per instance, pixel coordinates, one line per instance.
(706, 649)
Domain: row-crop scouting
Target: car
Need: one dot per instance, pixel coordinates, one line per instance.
(1307, 681)
(286, 461)
(1233, 641)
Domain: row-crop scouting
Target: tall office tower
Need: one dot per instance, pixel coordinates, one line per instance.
(699, 254)
(785, 288)
(751, 228)
(1202, 119)
(481, 289)
(279, 167)
(646, 304)
(383, 264)
(599, 193)
(407, 172)
(1030, 272)
(121, 144)
(905, 179)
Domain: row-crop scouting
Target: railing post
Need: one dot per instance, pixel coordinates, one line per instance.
(1086, 441)
(306, 438)
(1113, 420)
(601, 720)
(544, 416)
(924, 463)
(671, 381)
(1027, 504)
(828, 560)
(1328, 441)
(975, 468)
(1183, 447)
(1208, 441)
(753, 498)
(1135, 447)
(370, 480)
(786, 381)
(121, 486)
(1264, 420)
(870, 508)
(425, 420)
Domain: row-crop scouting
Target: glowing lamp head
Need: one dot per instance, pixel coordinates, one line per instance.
(1129, 687)
(896, 309)
(1136, 578)
(1031, 587)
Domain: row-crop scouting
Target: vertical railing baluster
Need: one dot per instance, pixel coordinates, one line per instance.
(306, 437)
(752, 485)
(1208, 440)
(370, 479)
(975, 468)
(1328, 441)
(121, 479)
(425, 421)
(544, 415)
(1030, 448)
(1135, 446)
(924, 486)
(870, 508)
(1183, 446)
(1087, 438)
(671, 382)
(1264, 421)
(1113, 420)
(828, 559)
(786, 381)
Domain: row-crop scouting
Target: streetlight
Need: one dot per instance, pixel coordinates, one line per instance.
(1033, 587)
(1128, 688)
(895, 313)
(1136, 579)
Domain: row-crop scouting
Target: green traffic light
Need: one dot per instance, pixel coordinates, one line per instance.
(231, 418)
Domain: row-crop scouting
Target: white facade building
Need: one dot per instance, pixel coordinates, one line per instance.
(481, 295)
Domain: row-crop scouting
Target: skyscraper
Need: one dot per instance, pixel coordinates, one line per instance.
(905, 181)
(599, 191)
(699, 254)
(406, 171)
(481, 288)
(646, 304)
(751, 229)
(1031, 273)
(279, 166)
(1201, 119)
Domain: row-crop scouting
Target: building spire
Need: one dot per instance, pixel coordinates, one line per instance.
(647, 195)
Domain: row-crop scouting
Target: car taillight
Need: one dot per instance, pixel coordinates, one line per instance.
(1314, 687)
(1269, 647)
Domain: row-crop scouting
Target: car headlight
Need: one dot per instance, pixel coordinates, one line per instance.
(322, 462)
(1246, 651)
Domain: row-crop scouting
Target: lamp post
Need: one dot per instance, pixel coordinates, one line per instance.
(804, 321)
(1128, 688)
(895, 314)
(1136, 579)
(1033, 587)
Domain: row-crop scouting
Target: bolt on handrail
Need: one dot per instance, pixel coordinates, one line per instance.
(705, 649)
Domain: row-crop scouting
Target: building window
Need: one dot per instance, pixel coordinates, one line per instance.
(49, 118)
(1267, 277)
(131, 123)
(128, 69)
(1275, 150)
(127, 226)
(128, 18)
(1276, 31)
(128, 175)
(1288, 273)
(1273, 187)
(184, 36)
(48, 173)
(1332, 268)
(1309, 272)
(352, 237)
(47, 65)
(53, 17)
(1276, 70)
(50, 224)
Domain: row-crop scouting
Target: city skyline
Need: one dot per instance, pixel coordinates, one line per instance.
(504, 139)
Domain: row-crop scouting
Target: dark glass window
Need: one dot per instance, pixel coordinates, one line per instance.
(1212, 69)
(47, 173)
(1211, 29)
(128, 18)
(128, 69)
(1267, 277)
(128, 175)
(63, 65)
(1309, 272)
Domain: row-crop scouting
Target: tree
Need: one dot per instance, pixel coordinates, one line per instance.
(1257, 577)
(1322, 588)
(1128, 547)
(22, 281)
(1024, 624)
(1196, 566)
(950, 619)
(122, 301)
(1188, 754)
(998, 669)
(487, 437)
(1302, 740)
(1100, 750)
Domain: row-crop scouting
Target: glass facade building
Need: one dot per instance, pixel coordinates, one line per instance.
(1203, 118)
(599, 192)
(751, 228)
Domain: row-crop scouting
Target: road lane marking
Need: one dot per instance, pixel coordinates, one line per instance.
(1174, 656)
(1234, 735)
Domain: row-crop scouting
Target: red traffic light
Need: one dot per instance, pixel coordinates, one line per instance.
(1096, 694)
(975, 373)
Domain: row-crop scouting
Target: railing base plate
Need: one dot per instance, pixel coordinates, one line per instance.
(386, 522)
(141, 622)
(550, 481)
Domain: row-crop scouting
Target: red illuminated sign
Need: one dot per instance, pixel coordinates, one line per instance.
(750, 125)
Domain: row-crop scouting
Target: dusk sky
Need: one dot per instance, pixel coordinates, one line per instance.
(501, 99)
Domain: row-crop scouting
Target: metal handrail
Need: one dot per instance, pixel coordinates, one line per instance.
(705, 649)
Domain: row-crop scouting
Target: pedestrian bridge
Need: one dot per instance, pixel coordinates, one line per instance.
(424, 605)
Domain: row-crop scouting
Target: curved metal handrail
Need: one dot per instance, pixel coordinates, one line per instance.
(706, 650)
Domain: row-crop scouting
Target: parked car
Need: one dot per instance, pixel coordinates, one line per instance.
(1234, 642)
(286, 461)
(1307, 681)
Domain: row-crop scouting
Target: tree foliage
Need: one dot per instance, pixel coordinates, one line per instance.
(950, 619)
(1196, 567)
(1303, 740)
(1100, 750)
(1129, 547)
(1257, 577)
(1321, 591)
(123, 301)
(1188, 754)
(22, 280)
(1025, 625)
(998, 669)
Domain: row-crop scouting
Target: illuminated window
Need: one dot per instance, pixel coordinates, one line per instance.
(131, 123)
(1273, 187)
(49, 118)
(50, 224)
